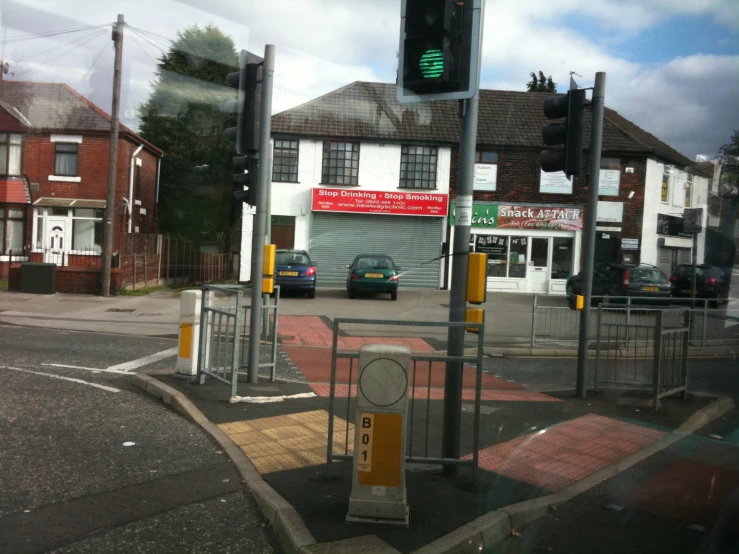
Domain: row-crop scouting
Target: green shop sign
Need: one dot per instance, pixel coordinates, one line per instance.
(514, 216)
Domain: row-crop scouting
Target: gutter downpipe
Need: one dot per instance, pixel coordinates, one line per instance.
(130, 186)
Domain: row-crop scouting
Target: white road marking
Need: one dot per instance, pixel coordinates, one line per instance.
(71, 379)
(146, 360)
(93, 369)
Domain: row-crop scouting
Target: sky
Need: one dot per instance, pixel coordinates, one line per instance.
(672, 65)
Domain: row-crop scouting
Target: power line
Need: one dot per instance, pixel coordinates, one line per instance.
(62, 54)
(169, 40)
(139, 44)
(93, 65)
(52, 33)
(56, 47)
(138, 32)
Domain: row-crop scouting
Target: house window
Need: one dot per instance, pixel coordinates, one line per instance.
(87, 230)
(486, 171)
(11, 230)
(418, 167)
(688, 191)
(11, 147)
(340, 163)
(665, 185)
(65, 159)
(285, 161)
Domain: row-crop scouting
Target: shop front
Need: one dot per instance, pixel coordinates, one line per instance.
(530, 248)
(409, 227)
(674, 247)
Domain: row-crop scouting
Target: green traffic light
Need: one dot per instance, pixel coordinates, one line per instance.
(431, 64)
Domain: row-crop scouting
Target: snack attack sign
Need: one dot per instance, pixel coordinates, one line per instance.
(380, 202)
(516, 216)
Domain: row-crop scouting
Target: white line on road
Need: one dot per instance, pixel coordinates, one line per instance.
(71, 379)
(88, 368)
(146, 360)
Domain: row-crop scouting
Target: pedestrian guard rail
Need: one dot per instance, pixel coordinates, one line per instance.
(426, 391)
(225, 334)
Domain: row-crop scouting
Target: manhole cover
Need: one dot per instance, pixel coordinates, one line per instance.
(120, 310)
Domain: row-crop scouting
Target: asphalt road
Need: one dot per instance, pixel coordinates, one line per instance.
(88, 464)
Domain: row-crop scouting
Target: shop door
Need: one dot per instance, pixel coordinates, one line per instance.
(606, 248)
(283, 232)
(538, 276)
(414, 243)
(54, 252)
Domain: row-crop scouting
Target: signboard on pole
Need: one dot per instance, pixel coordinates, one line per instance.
(692, 219)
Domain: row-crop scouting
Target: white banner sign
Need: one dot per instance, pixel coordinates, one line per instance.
(610, 212)
(555, 183)
(608, 182)
(485, 177)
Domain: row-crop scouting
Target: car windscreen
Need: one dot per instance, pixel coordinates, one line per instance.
(375, 263)
(700, 272)
(647, 275)
(291, 258)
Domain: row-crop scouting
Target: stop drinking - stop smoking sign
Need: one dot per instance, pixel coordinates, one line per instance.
(378, 484)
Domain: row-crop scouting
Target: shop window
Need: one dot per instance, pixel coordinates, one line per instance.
(665, 185)
(609, 177)
(418, 167)
(562, 257)
(340, 163)
(497, 250)
(689, 191)
(486, 171)
(87, 230)
(11, 146)
(517, 258)
(65, 161)
(285, 161)
(11, 230)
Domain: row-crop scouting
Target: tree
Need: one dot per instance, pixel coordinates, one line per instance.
(184, 117)
(731, 148)
(542, 83)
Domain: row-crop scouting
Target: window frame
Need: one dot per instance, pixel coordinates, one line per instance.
(73, 217)
(285, 168)
(4, 219)
(326, 168)
(404, 182)
(479, 155)
(57, 152)
(665, 189)
(689, 191)
(6, 139)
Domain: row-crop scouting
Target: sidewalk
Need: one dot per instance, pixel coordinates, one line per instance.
(536, 451)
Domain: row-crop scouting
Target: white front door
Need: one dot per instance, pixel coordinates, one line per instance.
(56, 241)
(538, 274)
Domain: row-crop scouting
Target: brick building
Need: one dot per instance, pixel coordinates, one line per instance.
(338, 157)
(54, 153)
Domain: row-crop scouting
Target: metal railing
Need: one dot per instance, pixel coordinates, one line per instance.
(224, 334)
(560, 324)
(421, 446)
(642, 356)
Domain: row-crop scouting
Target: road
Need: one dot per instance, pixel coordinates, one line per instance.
(88, 464)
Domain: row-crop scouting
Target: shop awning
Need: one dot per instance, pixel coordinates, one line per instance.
(69, 203)
(14, 191)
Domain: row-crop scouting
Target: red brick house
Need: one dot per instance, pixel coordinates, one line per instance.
(54, 152)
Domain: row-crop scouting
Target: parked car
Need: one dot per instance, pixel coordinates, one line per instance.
(373, 273)
(294, 271)
(711, 282)
(645, 283)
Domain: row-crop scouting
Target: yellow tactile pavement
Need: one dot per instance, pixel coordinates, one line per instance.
(288, 441)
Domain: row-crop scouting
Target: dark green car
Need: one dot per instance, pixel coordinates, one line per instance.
(373, 273)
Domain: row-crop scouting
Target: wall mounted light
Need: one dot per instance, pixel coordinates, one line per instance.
(631, 195)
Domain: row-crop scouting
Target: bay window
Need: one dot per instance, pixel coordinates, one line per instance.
(11, 230)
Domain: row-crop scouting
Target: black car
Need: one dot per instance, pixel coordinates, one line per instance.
(637, 281)
(294, 271)
(711, 282)
(373, 273)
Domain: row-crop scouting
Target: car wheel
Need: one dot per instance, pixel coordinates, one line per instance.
(352, 294)
(394, 295)
(312, 293)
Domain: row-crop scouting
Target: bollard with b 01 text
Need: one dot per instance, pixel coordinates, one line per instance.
(378, 478)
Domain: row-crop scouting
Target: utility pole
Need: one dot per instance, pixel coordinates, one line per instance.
(260, 220)
(112, 162)
(591, 218)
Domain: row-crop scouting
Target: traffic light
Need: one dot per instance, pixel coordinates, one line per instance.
(439, 49)
(245, 182)
(245, 135)
(568, 134)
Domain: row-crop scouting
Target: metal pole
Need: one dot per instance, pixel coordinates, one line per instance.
(458, 288)
(591, 216)
(267, 228)
(113, 159)
(258, 237)
(693, 279)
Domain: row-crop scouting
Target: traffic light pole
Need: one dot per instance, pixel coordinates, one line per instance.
(258, 236)
(591, 218)
(458, 292)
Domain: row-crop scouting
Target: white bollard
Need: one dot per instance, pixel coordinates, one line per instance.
(187, 357)
(378, 479)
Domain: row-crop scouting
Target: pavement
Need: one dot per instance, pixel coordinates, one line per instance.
(88, 464)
